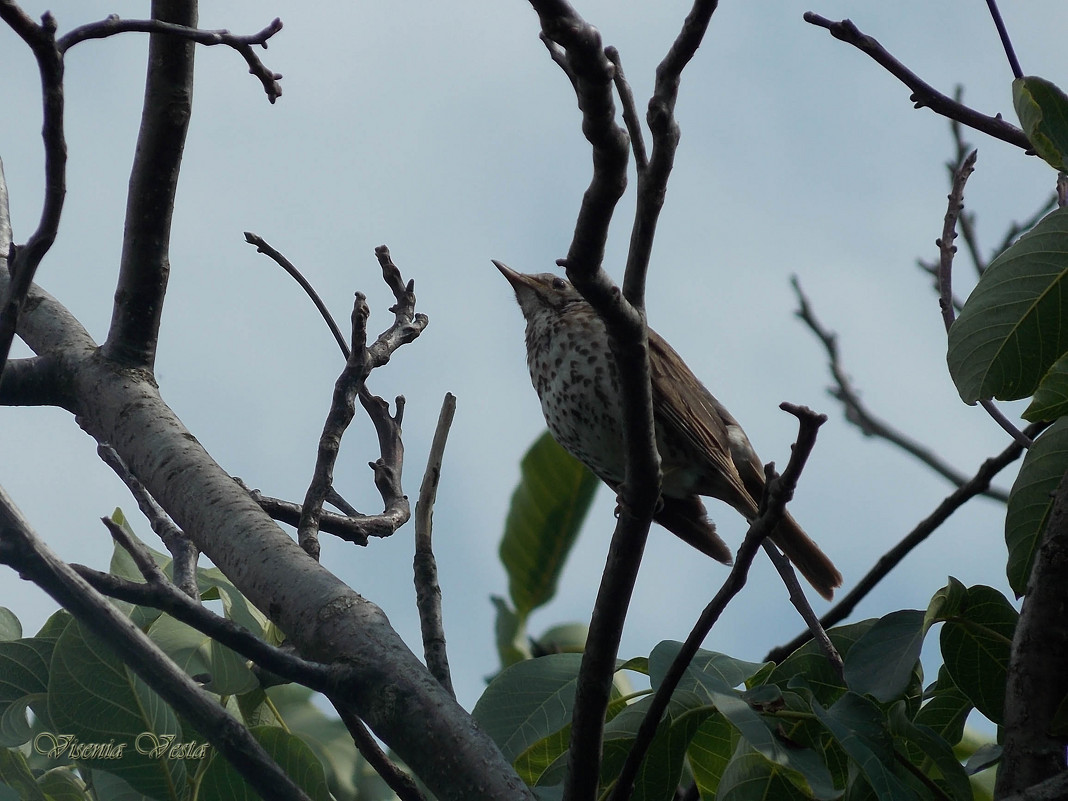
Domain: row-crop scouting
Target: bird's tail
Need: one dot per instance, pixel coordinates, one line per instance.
(806, 555)
(686, 519)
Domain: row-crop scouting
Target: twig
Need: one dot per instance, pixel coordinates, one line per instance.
(630, 112)
(23, 550)
(23, 261)
(888, 561)
(342, 410)
(804, 608)
(396, 511)
(946, 248)
(305, 284)
(183, 552)
(1010, 53)
(399, 781)
(427, 589)
(362, 359)
(160, 593)
(858, 414)
(777, 491)
(242, 44)
(923, 94)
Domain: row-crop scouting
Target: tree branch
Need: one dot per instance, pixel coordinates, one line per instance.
(888, 561)
(923, 94)
(427, 589)
(242, 44)
(144, 266)
(183, 552)
(1037, 679)
(23, 261)
(859, 415)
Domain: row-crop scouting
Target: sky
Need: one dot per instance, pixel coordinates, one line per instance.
(445, 132)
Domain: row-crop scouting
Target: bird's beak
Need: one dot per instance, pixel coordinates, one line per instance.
(514, 278)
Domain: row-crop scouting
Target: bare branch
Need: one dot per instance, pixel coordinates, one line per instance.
(804, 608)
(427, 589)
(923, 94)
(342, 410)
(1010, 53)
(22, 262)
(859, 415)
(144, 266)
(305, 284)
(399, 781)
(630, 112)
(888, 561)
(242, 44)
(777, 491)
(946, 248)
(181, 548)
(362, 359)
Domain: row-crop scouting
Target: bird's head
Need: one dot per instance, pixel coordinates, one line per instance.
(540, 293)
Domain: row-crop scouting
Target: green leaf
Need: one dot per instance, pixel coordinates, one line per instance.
(1012, 328)
(1043, 111)
(15, 773)
(10, 625)
(1051, 397)
(860, 729)
(931, 755)
(710, 751)
(801, 766)
(528, 701)
(975, 643)
(881, 662)
(1031, 501)
(707, 668)
(749, 776)
(24, 672)
(548, 506)
(221, 670)
(512, 642)
(809, 663)
(221, 780)
(96, 699)
(945, 709)
(347, 774)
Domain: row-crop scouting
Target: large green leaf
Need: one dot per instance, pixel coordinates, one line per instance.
(860, 728)
(548, 507)
(95, 699)
(882, 662)
(528, 701)
(1043, 111)
(976, 639)
(1012, 328)
(1031, 501)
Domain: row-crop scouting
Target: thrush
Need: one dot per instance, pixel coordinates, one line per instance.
(703, 449)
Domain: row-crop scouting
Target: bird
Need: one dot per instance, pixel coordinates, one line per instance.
(703, 449)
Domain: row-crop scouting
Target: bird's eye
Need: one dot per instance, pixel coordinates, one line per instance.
(559, 284)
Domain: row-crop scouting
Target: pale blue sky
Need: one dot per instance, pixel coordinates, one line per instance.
(444, 131)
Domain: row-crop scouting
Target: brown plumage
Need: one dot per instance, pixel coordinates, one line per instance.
(703, 449)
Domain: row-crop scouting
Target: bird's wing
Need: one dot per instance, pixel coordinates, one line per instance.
(692, 414)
